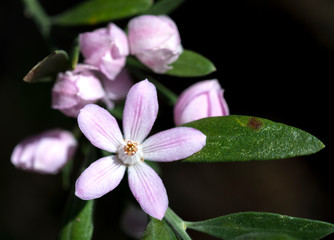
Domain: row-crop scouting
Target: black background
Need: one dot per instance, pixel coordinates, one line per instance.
(273, 58)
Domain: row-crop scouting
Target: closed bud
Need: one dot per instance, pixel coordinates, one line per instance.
(46, 152)
(74, 89)
(106, 49)
(201, 100)
(155, 41)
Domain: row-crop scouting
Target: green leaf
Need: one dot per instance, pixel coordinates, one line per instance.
(164, 7)
(92, 12)
(78, 223)
(45, 70)
(234, 226)
(265, 236)
(157, 230)
(191, 64)
(244, 138)
(34, 10)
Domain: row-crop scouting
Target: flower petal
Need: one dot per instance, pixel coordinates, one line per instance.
(118, 88)
(53, 150)
(100, 127)
(89, 87)
(173, 144)
(99, 178)
(93, 45)
(111, 67)
(140, 111)
(64, 91)
(148, 190)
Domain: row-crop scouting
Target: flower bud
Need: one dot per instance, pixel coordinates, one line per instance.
(201, 100)
(155, 41)
(46, 152)
(74, 89)
(134, 221)
(106, 49)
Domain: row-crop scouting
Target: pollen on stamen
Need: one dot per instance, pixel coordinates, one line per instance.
(130, 148)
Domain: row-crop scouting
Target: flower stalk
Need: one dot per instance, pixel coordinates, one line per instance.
(177, 224)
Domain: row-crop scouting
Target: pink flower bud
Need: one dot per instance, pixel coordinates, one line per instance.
(105, 48)
(155, 41)
(134, 221)
(201, 100)
(74, 89)
(46, 152)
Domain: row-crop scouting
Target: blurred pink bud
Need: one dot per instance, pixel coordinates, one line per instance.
(105, 48)
(134, 221)
(74, 89)
(46, 152)
(117, 89)
(155, 41)
(201, 100)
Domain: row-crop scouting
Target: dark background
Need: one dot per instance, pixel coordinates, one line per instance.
(273, 58)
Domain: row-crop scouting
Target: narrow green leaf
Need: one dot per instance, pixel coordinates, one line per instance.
(164, 7)
(230, 227)
(92, 12)
(34, 10)
(45, 70)
(191, 64)
(158, 230)
(244, 138)
(78, 224)
(265, 236)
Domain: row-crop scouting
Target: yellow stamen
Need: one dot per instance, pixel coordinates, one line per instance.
(131, 148)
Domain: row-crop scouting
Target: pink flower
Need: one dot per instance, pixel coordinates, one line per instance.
(102, 130)
(74, 89)
(105, 48)
(46, 152)
(201, 100)
(155, 41)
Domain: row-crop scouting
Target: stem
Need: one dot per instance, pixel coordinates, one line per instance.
(41, 19)
(177, 224)
(171, 96)
(167, 94)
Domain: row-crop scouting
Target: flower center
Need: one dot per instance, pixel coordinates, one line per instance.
(130, 153)
(131, 148)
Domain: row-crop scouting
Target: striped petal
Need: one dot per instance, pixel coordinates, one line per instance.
(140, 111)
(148, 190)
(100, 127)
(99, 178)
(173, 144)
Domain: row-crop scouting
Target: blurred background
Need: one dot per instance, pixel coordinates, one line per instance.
(273, 58)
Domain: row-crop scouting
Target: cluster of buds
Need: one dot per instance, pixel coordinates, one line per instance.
(155, 42)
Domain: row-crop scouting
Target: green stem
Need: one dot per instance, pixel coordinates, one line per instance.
(171, 96)
(42, 20)
(74, 54)
(143, 72)
(177, 224)
(117, 111)
(78, 216)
